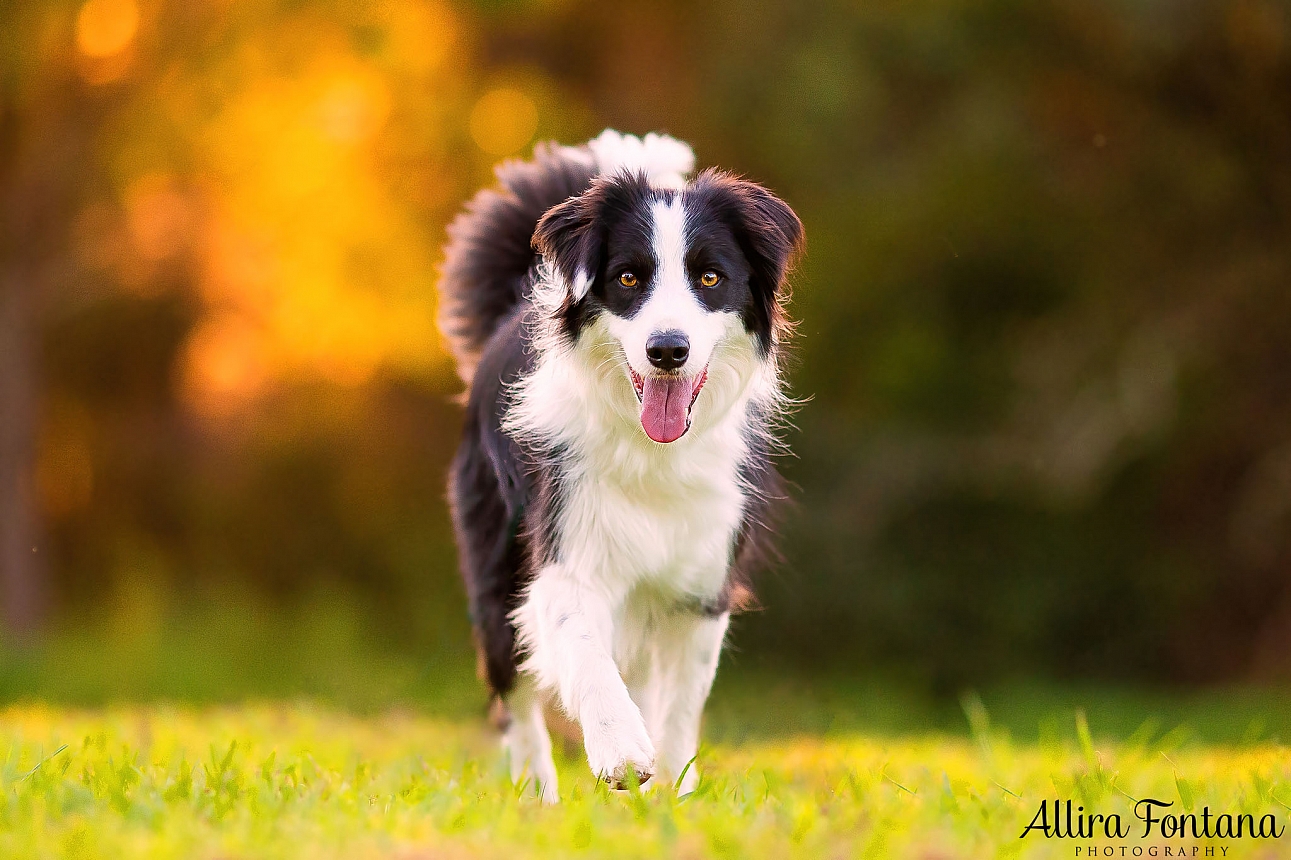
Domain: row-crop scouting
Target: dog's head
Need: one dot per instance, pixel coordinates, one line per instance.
(682, 281)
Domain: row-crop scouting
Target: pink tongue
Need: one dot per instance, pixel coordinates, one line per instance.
(665, 402)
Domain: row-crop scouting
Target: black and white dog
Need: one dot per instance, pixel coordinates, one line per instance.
(619, 327)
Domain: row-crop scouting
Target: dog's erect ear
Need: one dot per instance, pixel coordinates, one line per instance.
(570, 236)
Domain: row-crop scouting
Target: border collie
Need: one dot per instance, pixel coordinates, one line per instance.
(619, 327)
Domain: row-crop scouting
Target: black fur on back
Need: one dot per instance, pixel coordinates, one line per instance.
(488, 489)
(487, 272)
(490, 249)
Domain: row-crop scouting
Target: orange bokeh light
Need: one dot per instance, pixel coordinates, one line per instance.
(503, 120)
(158, 216)
(105, 28)
(225, 364)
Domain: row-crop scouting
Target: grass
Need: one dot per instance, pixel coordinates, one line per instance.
(298, 780)
(386, 758)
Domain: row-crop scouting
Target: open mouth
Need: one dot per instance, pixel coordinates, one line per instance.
(666, 400)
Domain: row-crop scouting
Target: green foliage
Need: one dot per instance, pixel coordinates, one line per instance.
(1043, 304)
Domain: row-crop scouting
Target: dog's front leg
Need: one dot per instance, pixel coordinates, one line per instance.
(527, 743)
(567, 629)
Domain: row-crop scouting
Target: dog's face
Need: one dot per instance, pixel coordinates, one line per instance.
(680, 280)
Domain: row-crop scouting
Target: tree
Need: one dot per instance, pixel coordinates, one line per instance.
(45, 121)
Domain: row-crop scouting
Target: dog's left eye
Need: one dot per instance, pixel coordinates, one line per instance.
(710, 279)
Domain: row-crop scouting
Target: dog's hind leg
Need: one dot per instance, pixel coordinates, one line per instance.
(683, 665)
(527, 742)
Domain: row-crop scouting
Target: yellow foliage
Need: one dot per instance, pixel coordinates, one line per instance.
(311, 259)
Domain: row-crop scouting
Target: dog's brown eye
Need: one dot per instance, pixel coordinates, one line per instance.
(709, 279)
(628, 279)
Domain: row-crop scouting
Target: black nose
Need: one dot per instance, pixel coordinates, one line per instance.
(667, 350)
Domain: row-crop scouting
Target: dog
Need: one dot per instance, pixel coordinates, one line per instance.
(620, 327)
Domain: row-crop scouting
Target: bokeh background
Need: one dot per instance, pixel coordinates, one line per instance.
(1045, 354)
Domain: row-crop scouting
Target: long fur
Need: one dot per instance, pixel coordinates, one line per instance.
(602, 566)
(490, 249)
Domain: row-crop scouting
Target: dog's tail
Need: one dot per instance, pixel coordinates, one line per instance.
(489, 252)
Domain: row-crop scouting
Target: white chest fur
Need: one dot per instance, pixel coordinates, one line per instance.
(665, 519)
(636, 513)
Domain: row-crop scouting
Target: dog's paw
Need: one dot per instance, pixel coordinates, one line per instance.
(644, 781)
(616, 747)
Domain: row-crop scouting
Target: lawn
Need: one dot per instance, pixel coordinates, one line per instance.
(301, 780)
(227, 738)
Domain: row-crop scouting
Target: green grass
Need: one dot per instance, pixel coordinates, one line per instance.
(298, 780)
(300, 739)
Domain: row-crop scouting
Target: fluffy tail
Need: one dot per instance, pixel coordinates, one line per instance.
(489, 253)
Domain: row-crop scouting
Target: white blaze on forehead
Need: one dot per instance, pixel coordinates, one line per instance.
(669, 240)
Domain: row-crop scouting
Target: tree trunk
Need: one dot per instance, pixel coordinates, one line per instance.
(25, 201)
(22, 580)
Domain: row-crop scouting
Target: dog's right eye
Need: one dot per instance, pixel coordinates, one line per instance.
(628, 279)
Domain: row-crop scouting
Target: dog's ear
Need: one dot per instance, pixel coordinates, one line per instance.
(570, 237)
(769, 231)
(769, 234)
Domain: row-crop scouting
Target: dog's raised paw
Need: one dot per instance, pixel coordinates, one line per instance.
(612, 752)
(621, 774)
(623, 782)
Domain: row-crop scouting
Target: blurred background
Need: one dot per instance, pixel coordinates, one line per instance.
(1045, 350)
